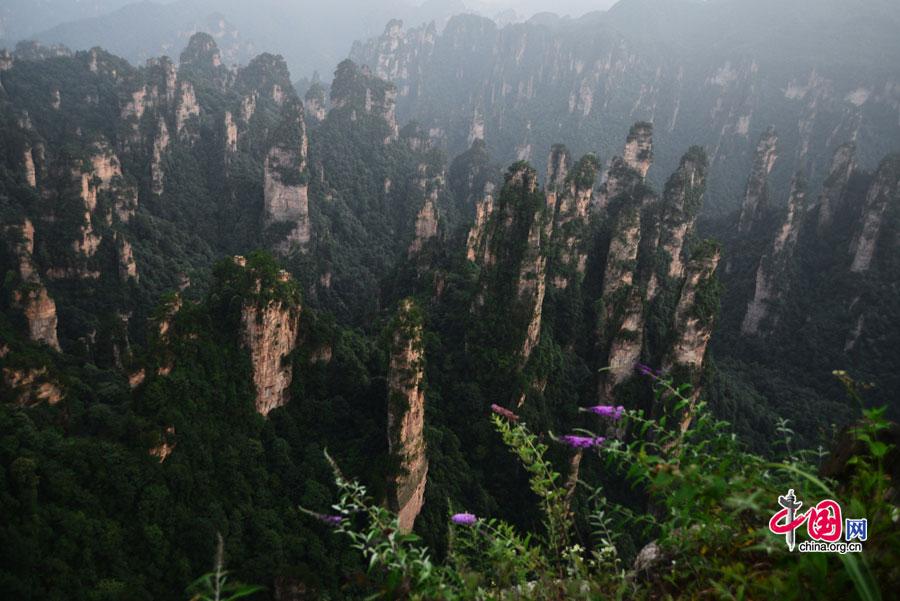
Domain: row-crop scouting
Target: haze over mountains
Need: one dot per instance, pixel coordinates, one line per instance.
(310, 35)
(216, 266)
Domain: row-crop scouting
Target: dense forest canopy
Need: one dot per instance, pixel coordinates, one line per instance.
(550, 309)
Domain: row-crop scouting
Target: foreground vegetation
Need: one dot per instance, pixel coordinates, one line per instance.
(708, 504)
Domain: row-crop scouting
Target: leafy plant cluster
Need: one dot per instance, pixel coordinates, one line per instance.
(703, 522)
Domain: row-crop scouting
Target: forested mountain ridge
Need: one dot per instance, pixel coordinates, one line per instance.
(715, 74)
(164, 380)
(121, 188)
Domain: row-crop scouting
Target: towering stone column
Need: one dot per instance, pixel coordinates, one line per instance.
(406, 415)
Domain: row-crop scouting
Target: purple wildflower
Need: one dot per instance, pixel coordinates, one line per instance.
(464, 519)
(331, 520)
(644, 370)
(609, 411)
(503, 411)
(582, 442)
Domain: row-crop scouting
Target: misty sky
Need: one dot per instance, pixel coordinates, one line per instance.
(529, 7)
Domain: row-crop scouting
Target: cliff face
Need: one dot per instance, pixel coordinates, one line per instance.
(146, 140)
(693, 317)
(426, 225)
(31, 386)
(269, 331)
(757, 194)
(533, 84)
(510, 237)
(843, 163)
(693, 325)
(358, 92)
(883, 193)
(570, 197)
(286, 188)
(40, 313)
(31, 297)
(406, 415)
(682, 200)
(639, 148)
(771, 275)
(644, 269)
(475, 242)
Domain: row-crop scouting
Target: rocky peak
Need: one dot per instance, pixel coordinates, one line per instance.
(426, 226)
(622, 319)
(639, 148)
(772, 274)
(270, 319)
(558, 163)
(513, 240)
(357, 91)
(314, 102)
(695, 316)
(201, 54)
(40, 313)
(842, 165)
(757, 191)
(682, 200)
(406, 415)
(286, 177)
(31, 297)
(266, 79)
(570, 207)
(883, 192)
(475, 243)
(620, 178)
(187, 109)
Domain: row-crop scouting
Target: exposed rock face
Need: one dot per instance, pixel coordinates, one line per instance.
(558, 164)
(166, 445)
(623, 252)
(127, 266)
(160, 144)
(286, 187)
(842, 165)
(31, 297)
(475, 243)
(314, 102)
(623, 319)
(620, 179)
(532, 284)
(883, 192)
(602, 71)
(32, 386)
(355, 89)
(28, 161)
(231, 134)
(518, 225)
(270, 334)
(570, 197)
(406, 416)
(693, 327)
(756, 196)
(770, 281)
(639, 148)
(625, 349)
(682, 199)
(187, 108)
(40, 312)
(426, 228)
